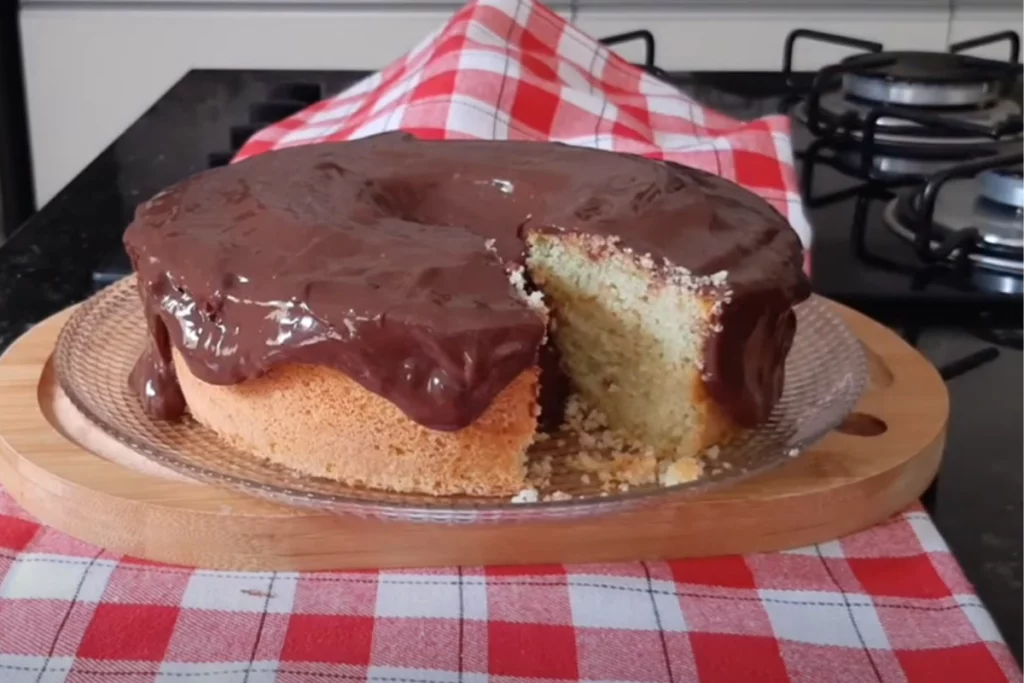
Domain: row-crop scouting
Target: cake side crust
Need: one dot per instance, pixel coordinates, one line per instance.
(317, 421)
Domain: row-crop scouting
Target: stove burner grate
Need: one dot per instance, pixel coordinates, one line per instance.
(925, 79)
(949, 218)
(912, 113)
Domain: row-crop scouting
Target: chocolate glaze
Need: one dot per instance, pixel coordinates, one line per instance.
(386, 258)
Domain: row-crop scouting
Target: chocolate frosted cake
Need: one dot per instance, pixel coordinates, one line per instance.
(394, 313)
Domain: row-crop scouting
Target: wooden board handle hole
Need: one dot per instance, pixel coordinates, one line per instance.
(862, 424)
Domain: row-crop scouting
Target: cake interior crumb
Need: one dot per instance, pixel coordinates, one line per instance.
(587, 457)
(527, 495)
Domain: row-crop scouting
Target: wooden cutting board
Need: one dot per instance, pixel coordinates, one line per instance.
(72, 476)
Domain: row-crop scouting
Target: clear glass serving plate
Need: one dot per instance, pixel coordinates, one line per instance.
(825, 376)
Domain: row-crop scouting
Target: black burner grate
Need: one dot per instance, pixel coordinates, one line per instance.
(928, 67)
(876, 139)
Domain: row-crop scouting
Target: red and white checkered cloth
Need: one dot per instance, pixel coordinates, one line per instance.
(888, 604)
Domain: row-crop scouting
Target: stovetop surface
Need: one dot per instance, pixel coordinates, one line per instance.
(72, 245)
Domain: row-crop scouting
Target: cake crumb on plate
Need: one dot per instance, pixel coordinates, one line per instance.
(529, 495)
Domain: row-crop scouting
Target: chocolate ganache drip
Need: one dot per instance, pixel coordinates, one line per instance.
(387, 259)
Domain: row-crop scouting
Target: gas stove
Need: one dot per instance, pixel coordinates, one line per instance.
(900, 115)
(946, 249)
(970, 218)
(909, 168)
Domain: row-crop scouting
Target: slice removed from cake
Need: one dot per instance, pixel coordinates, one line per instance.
(632, 339)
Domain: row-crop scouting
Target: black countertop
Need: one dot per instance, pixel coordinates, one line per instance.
(48, 264)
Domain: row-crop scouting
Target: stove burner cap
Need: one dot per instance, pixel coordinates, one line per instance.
(924, 79)
(996, 239)
(943, 68)
(1003, 186)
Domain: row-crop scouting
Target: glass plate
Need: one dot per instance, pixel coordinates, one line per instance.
(825, 375)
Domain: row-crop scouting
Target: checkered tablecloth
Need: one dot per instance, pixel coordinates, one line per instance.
(888, 604)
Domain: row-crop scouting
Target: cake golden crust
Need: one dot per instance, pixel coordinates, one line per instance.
(317, 421)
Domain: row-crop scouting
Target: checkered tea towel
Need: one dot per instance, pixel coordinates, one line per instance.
(887, 604)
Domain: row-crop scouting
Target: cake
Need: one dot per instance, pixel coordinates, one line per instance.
(404, 315)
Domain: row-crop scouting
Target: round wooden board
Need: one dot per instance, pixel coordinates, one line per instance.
(72, 476)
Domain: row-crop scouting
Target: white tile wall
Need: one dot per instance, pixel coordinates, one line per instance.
(91, 72)
(970, 22)
(753, 40)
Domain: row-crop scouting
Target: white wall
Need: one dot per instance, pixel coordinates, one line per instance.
(92, 69)
(753, 40)
(967, 22)
(91, 72)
